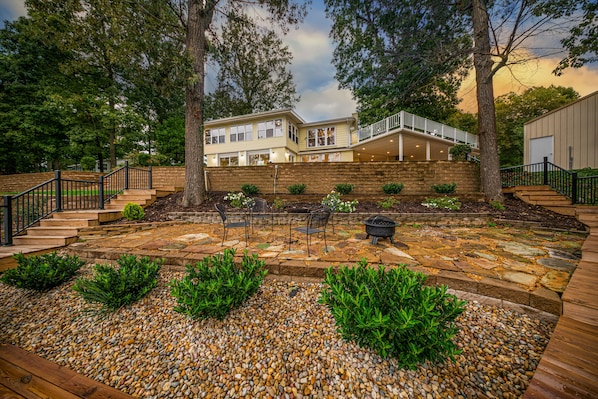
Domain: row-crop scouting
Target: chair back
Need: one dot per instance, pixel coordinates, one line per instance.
(221, 210)
(318, 218)
(260, 206)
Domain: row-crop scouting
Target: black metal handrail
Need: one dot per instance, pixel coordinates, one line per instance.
(21, 211)
(581, 190)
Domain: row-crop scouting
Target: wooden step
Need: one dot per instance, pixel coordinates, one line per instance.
(562, 210)
(58, 241)
(125, 201)
(102, 216)
(64, 231)
(68, 222)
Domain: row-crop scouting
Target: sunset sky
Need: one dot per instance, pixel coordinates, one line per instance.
(314, 73)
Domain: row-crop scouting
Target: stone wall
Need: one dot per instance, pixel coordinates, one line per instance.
(24, 181)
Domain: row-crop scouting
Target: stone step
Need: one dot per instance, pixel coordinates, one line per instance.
(68, 222)
(57, 231)
(33, 240)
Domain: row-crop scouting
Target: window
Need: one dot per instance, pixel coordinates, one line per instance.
(293, 135)
(258, 158)
(330, 157)
(269, 129)
(215, 136)
(241, 133)
(321, 137)
(228, 159)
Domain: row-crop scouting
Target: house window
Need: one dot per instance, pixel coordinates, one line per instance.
(215, 136)
(321, 137)
(228, 159)
(293, 134)
(241, 133)
(330, 157)
(258, 158)
(269, 129)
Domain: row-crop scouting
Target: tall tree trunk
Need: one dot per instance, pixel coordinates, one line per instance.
(197, 22)
(489, 162)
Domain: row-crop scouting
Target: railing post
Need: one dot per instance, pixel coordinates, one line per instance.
(58, 190)
(545, 171)
(126, 175)
(101, 193)
(7, 220)
(150, 177)
(574, 188)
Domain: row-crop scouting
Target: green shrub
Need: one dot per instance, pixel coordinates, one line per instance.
(392, 188)
(216, 285)
(450, 203)
(88, 162)
(278, 204)
(446, 188)
(239, 200)
(42, 272)
(114, 287)
(133, 211)
(393, 313)
(297, 188)
(333, 201)
(388, 203)
(460, 152)
(250, 189)
(344, 188)
(498, 205)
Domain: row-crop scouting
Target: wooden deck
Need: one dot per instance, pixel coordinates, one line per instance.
(25, 375)
(569, 365)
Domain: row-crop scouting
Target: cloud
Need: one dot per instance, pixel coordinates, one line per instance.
(11, 10)
(327, 102)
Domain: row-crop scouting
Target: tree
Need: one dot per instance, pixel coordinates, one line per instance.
(200, 15)
(408, 55)
(513, 110)
(254, 74)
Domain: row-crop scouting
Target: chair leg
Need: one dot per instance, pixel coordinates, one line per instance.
(223, 236)
(308, 241)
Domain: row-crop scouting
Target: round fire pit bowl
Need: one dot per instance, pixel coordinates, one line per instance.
(380, 227)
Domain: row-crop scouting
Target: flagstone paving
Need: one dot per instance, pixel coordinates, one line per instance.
(526, 266)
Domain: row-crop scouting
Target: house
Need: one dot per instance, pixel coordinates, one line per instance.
(283, 136)
(568, 136)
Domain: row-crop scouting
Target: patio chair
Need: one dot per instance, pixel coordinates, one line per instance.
(261, 210)
(228, 225)
(316, 223)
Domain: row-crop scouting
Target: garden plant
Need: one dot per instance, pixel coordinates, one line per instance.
(344, 188)
(392, 188)
(133, 211)
(296, 189)
(445, 188)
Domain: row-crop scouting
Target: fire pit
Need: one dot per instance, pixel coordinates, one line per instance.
(380, 227)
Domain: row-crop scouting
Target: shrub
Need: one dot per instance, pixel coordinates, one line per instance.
(42, 272)
(392, 188)
(446, 188)
(296, 188)
(133, 211)
(88, 162)
(388, 203)
(393, 313)
(459, 152)
(239, 200)
(344, 188)
(278, 204)
(113, 287)
(450, 203)
(250, 189)
(498, 205)
(216, 285)
(333, 201)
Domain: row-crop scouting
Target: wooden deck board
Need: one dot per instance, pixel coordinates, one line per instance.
(30, 376)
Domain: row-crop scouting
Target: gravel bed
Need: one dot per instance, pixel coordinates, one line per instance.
(280, 344)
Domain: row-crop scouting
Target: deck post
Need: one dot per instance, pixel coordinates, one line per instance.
(574, 188)
(126, 175)
(58, 190)
(101, 193)
(150, 177)
(7, 220)
(545, 171)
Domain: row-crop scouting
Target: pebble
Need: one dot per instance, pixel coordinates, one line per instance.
(273, 346)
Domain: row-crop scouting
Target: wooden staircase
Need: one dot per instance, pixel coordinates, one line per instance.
(63, 227)
(543, 196)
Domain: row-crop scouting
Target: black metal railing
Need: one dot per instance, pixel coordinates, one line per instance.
(581, 190)
(23, 210)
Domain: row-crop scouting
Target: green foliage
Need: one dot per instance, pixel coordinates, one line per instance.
(297, 189)
(388, 203)
(344, 188)
(445, 188)
(586, 172)
(459, 152)
(114, 287)
(133, 211)
(393, 313)
(239, 200)
(278, 204)
(216, 285)
(42, 272)
(334, 202)
(498, 205)
(392, 188)
(88, 162)
(250, 189)
(449, 203)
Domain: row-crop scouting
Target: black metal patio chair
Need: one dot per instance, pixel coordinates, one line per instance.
(317, 221)
(228, 225)
(261, 210)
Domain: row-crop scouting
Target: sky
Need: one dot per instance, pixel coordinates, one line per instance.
(321, 99)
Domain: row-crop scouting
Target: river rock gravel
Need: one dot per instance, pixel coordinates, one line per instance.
(280, 344)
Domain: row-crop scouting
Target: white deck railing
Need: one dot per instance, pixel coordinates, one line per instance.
(405, 120)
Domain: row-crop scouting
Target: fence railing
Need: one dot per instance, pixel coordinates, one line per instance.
(418, 124)
(21, 211)
(581, 190)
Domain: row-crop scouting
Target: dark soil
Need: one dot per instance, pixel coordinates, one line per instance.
(515, 210)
